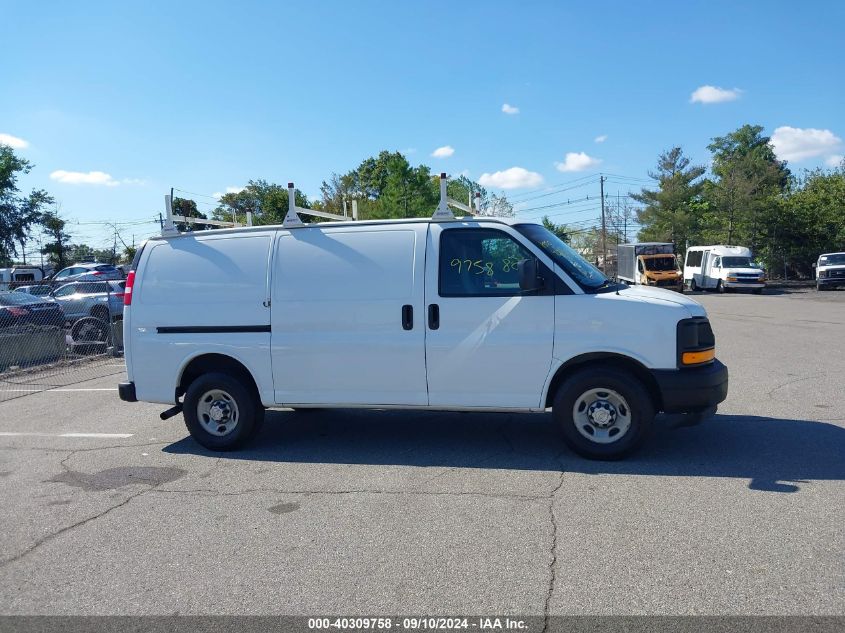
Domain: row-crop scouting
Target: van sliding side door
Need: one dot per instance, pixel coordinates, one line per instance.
(347, 315)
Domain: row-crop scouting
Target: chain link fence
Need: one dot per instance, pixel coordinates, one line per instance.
(58, 336)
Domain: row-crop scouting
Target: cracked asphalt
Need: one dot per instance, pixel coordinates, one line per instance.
(385, 513)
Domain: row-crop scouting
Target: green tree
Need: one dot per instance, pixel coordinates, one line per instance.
(670, 209)
(748, 181)
(268, 203)
(810, 221)
(128, 254)
(558, 229)
(17, 213)
(57, 248)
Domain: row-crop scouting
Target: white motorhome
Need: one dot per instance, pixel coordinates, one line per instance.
(722, 268)
(11, 278)
(469, 314)
(830, 270)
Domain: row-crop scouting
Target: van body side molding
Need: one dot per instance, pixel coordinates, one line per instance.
(212, 329)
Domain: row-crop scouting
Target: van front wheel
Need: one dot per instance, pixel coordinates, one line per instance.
(220, 412)
(603, 413)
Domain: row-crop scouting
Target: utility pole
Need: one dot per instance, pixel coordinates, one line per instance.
(603, 229)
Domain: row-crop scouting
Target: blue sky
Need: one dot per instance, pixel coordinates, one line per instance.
(203, 96)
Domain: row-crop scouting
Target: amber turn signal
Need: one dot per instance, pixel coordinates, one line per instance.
(697, 358)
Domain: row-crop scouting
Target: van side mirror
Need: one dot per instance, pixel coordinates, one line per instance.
(814, 264)
(529, 278)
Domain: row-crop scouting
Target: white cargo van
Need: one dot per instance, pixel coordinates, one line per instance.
(830, 270)
(722, 268)
(474, 314)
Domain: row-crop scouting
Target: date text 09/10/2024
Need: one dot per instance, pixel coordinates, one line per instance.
(418, 623)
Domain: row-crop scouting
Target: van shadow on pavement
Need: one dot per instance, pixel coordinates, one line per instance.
(777, 455)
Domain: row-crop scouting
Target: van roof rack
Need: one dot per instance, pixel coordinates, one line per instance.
(292, 217)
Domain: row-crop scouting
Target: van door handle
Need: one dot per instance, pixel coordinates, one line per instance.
(407, 317)
(433, 316)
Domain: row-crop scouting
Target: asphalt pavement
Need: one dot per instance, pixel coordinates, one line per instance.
(109, 510)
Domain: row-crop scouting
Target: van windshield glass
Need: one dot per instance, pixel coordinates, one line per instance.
(583, 272)
(661, 263)
(737, 262)
(836, 259)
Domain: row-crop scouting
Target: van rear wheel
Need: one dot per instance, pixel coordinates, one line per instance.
(220, 412)
(603, 413)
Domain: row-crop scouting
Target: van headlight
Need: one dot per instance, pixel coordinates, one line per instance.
(696, 342)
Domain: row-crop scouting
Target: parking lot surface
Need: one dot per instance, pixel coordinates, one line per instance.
(109, 510)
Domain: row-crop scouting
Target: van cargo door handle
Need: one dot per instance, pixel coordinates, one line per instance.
(407, 317)
(433, 316)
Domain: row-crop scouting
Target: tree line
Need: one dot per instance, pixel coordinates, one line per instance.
(748, 198)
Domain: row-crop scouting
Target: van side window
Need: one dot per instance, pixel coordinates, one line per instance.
(694, 259)
(479, 262)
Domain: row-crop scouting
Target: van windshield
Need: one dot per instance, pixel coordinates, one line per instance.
(738, 262)
(661, 263)
(583, 272)
(837, 259)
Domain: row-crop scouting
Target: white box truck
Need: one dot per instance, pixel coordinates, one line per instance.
(649, 264)
(475, 314)
(722, 268)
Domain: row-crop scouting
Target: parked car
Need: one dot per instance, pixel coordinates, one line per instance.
(483, 314)
(86, 272)
(830, 271)
(41, 290)
(19, 308)
(100, 299)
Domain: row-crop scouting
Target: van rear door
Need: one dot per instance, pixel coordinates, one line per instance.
(347, 315)
(488, 344)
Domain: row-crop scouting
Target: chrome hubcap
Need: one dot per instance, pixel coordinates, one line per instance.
(601, 415)
(218, 412)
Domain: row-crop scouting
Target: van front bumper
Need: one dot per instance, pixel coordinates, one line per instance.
(126, 391)
(693, 389)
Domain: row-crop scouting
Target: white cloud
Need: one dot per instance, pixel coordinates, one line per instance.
(834, 160)
(600, 139)
(509, 109)
(220, 194)
(513, 178)
(795, 143)
(443, 152)
(712, 94)
(577, 161)
(84, 178)
(13, 141)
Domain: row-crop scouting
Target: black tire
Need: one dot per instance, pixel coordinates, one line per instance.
(250, 413)
(720, 288)
(819, 287)
(91, 331)
(693, 286)
(640, 412)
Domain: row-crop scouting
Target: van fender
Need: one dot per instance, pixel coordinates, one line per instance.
(188, 359)
(560, 368)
